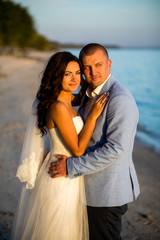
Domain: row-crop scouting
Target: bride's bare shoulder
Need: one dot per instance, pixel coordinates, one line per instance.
(58, 108)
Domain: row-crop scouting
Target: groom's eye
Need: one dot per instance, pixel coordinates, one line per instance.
(98, 64)
(86, 67)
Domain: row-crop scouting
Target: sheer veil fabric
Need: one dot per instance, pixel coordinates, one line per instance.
(34, 149)
(49, 209)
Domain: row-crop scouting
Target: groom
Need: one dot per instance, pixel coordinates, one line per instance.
(110, 177)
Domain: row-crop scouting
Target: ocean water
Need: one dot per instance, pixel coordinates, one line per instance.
(139, 71)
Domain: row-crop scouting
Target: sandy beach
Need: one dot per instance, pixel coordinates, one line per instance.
(19, 80)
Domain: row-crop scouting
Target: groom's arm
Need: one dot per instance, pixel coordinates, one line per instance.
(122, 118)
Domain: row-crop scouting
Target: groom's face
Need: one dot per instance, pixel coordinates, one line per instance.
(96, 68)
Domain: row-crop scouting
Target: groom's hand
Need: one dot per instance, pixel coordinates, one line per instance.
(59, 168)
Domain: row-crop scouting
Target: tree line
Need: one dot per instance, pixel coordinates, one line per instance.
(17, 28)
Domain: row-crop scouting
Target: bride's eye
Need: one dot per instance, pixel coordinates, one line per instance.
(67, 73)
(78, 72)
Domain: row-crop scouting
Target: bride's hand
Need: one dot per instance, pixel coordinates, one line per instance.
(99, 105)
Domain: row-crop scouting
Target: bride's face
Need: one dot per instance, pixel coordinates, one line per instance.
(72, 77)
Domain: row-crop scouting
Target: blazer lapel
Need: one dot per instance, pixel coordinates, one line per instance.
(108, 85)
(82, 106)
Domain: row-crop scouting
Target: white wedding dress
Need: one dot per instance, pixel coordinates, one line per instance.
(55, 209)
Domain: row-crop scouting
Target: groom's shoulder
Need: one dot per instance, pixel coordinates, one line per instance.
(119, 89)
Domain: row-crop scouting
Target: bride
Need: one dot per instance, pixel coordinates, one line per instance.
(54, 209)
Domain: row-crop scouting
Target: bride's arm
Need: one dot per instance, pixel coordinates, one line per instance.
(63, 120)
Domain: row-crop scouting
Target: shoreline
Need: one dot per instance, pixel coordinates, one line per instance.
(139, 141)
(142, 221)
(19, 78)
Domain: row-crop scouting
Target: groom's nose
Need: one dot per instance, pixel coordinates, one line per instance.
(92, 71)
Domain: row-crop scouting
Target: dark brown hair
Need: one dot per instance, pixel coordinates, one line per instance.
(51, 84)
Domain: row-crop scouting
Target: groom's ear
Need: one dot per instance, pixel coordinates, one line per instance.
(109, 63)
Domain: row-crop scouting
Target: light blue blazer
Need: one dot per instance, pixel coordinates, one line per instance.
(107, 166)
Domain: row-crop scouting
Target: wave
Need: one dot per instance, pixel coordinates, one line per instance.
(148, 137)
(142, 128)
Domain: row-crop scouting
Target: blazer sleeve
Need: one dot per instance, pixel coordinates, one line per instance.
(122, 118)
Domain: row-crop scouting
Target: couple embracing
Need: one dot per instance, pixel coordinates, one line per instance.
(85, 193)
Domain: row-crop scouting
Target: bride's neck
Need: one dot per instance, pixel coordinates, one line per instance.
(65, 97)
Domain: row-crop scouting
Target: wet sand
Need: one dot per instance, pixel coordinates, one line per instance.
(19, 80)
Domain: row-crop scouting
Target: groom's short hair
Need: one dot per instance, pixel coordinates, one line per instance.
(89, 49)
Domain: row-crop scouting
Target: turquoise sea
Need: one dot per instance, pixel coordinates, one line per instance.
(139, 71)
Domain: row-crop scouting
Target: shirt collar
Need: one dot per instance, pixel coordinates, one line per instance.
(97, 90)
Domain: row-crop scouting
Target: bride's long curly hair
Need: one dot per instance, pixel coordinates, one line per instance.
(51, 85)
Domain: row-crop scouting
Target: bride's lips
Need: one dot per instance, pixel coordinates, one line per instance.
(73, 84)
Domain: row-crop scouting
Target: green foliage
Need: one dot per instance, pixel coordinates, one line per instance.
(40, 42)
(17, 27)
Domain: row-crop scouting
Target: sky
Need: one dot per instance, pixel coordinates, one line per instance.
(126, 23)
